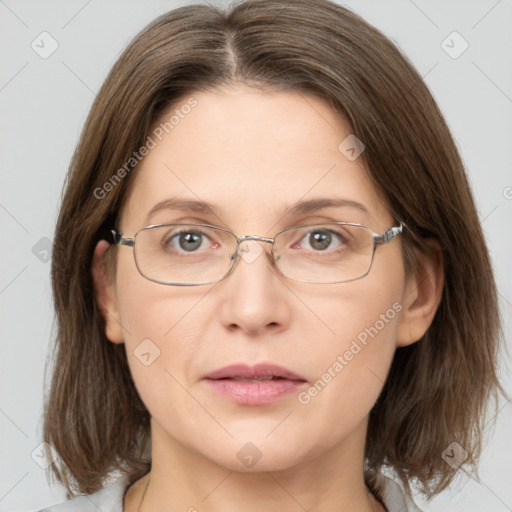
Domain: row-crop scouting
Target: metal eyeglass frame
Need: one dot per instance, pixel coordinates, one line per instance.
(382, 239)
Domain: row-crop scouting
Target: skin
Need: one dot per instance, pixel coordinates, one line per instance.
(253, 153)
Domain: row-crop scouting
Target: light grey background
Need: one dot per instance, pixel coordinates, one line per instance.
(44, 103)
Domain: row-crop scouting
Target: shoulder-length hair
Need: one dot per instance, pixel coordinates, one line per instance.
(437, 389)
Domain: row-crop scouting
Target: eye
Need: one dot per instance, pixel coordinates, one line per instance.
(188, 241)
(322, 239)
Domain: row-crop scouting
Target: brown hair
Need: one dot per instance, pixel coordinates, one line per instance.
(438, 388)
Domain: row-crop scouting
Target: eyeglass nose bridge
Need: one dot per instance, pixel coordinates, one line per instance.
(255, 237)
(246, 238)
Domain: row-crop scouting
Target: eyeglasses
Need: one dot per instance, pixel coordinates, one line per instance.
(197, 254)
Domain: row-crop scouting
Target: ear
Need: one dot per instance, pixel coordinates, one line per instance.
(422, 296)
(105, 294)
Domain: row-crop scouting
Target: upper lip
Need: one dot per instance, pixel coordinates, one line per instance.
(245, 371)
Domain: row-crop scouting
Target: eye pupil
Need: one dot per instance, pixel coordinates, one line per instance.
(320, 240)
(189, 241)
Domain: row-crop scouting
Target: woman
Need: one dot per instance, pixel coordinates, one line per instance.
(261, 275)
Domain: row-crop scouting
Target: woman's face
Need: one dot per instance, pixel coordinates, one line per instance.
(253, 155)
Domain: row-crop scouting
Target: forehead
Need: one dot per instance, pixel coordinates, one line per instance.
(251, 154)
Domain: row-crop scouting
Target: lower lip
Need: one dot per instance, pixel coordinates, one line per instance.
(255, 393)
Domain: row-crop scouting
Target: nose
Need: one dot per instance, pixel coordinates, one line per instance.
(254, 296)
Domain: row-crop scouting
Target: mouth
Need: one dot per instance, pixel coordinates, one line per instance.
(262, 371)
(258, 379)
(255, 385)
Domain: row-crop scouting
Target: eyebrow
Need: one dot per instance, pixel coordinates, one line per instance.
(299, 208)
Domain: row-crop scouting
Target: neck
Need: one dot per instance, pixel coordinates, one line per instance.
(182, 479)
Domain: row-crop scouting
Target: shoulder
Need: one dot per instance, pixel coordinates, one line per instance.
(109, 498)
(393, 494)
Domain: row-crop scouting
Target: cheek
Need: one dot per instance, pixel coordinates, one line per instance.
(355, 363)
(350, 373)
(158, 332)
(161, 349)
(352, 363)
(164, 329)
(147, 309)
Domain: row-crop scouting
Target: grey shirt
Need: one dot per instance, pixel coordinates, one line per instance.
(110, 498)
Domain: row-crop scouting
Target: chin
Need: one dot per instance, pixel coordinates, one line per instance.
(260, 455)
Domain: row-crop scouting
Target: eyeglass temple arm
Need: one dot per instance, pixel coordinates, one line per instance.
(119, 239)
(391, 233)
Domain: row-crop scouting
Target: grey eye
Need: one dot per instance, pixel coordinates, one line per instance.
(188, 241)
